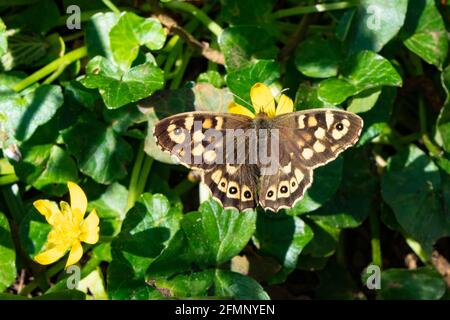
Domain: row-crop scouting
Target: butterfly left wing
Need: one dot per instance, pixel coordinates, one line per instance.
(307, 140)
(196, 138)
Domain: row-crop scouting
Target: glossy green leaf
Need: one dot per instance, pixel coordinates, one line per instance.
(7, 255)
(101, 153)
(375, 23)
(241, 81)
(33, 232)
(324, 242)
(282, 237)
(213, 77)
(247, 12)
(345, 209)
(3, 38)
(47, 168)
(420, 284)
(97, 34)
(111, 208)
(443, 121)
(145, 232)
(118, 87)
(245, 45)
(326, 181)
(363, 71)
(420, 207)
(131, 32)
(319, 58)
(216, 235)
(21, 114)
(425, 33)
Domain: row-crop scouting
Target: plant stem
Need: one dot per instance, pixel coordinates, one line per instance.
(313, 9)
(434, 150)
(180, 72)
(132, 189)
(111, 6)
(56, 74)
(143, 177)
(197, 13)
(375, 237)
(51, 67)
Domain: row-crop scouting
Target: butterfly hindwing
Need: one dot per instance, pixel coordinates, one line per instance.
(233, 186)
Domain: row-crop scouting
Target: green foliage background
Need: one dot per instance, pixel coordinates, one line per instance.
(80, 105)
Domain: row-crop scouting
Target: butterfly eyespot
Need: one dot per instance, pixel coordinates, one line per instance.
(247, 194)
(284, 189)
(233, 190)
(177, 131)
(270, 193)
(293, 184)
(340, 126)
(223, 184)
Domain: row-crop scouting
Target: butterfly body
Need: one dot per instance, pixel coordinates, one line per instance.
(269, 161)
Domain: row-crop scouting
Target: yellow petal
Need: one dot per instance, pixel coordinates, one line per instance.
(262, 99)
(48, 209)
(78, 199)
(50, 255)
(238, 109)
(76, 252)
(90, 229)
(285, 105)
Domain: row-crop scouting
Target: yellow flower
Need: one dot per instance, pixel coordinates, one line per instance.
(263, 102)
(69, 227)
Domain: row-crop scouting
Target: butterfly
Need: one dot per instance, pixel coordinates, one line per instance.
(263, 158)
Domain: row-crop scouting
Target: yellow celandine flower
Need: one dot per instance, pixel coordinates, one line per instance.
(69, 227)
(263, 102)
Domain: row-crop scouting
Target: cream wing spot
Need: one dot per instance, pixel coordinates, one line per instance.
(207, 123)
(271, 193)
(216, 176)
(177, 137)
(231, 169)
(247, 194)
(312, 121)
(287, 168)
(188, 123)
(301, 121)
(198, 136)
(210, 156)
(320, 133)
(307, 153)
(198, 150)
(293, 184)
(219, 123)
(298, 175)
(318, 147)
(329, 119)
(346, 123)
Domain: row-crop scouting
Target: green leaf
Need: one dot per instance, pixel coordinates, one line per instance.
(213, 77)
(3, 38)
(363, 71)
(245, 45)
(282, 237)
(216, 235)
(374, 24)
(7, 255)
(420, 207)
(21, 114)
(97, 34)
(145, 232)
(443, 121)
(118, 87)
(111, 208)
(47, 168)
(101, 153)
(424, 32)
(307, 97)
(212, 282)
(345, 209)
(241, 81)
(319, 58)
(131, 32)
(324, 242)
(326, 181)
(421, 284)
(364, 101)
(30, 18)
(33, 232)
(246, 12)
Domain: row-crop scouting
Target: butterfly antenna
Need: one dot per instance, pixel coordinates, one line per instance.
(243, 100)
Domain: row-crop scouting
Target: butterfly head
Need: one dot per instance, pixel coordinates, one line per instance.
(263, 104)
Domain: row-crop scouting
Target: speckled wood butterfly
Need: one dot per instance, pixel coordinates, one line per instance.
(226, 147)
